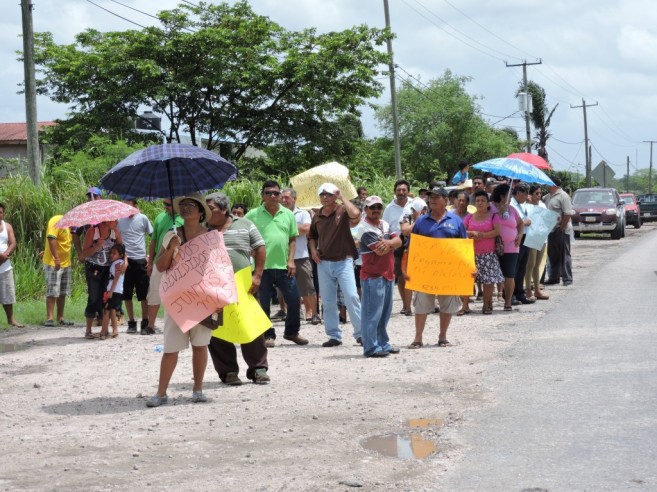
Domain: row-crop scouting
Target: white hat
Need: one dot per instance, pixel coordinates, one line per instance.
(418, 204)
(327, 188)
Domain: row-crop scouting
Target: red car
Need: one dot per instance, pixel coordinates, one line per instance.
(632, 209)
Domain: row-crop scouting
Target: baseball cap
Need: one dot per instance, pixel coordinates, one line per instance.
(327, 188)
(438, 191)
(94, 190)
(373, 200)
(418, 205)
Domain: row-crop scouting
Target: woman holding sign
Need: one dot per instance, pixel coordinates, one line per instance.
(194, 211)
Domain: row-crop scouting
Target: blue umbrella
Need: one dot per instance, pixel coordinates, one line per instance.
(167, 171)
(514, 169)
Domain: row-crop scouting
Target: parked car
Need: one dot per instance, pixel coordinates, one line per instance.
(599, 210)
(648, 205)
(632, 209)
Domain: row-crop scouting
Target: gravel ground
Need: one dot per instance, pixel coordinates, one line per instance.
(74, 416)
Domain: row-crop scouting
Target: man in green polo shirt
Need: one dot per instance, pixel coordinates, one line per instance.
(278, 228)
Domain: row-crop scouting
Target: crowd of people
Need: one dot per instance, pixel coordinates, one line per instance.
(326, 265)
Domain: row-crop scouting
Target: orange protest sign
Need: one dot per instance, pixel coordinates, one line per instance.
(440, 266)
(199, 282)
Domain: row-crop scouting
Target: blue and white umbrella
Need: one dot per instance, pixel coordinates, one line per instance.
(168, 171)
(514, 169)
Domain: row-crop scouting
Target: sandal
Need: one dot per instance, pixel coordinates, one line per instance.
(487, 309)
(508, 308)
(114, 335)
(91, 336)
(542, 297)
(65, 322)
(416, 345)
(463, 311)
(444, 343)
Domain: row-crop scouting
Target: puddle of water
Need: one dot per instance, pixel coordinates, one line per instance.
(426, 423)
(400, 446)
(11, 347)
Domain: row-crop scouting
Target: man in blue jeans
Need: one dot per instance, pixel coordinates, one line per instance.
(377, 275)
(278, 228)
(333, 249)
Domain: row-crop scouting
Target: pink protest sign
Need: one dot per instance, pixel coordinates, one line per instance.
(199, 282)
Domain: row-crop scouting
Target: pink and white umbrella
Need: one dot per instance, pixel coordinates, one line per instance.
(95, 212)
(533, 159)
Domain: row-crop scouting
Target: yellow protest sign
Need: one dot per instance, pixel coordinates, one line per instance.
(440, 266)
(307, 183)
(245, 320)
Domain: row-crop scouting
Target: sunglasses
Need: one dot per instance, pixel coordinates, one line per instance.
(271, 193)
(324, 194)
(376, 207)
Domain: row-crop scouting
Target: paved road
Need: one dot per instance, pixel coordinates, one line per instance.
(577, 399)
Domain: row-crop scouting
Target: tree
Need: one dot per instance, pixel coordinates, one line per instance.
(218, 72)
(441, 125)
(540, 117)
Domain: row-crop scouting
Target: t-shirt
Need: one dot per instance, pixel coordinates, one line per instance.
(459, 177)
(163, 223)
(241, 238)
(394, 213)
(374, 266)
(484, 245)
(449, 226)
(333, 235)
(302, 217)
(508, 228)
(276, 230)
(134, 230)
(63, 238)
(112, 273)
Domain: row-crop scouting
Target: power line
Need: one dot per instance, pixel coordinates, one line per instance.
(567, 143)
(136, 10)
(192, 4)
(117, 15)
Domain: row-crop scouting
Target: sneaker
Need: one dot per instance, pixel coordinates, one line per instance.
(359, 341)
(261, 376)
(144, 324)
(280, 315)
(378, 354)
(315, 320)
(156, 401)
(232, 379)
(331, 342)
(199, 397)
(299, 340)
(270, 343)
(393, 350)
(132, 327)
(149, 331)
(49, 323)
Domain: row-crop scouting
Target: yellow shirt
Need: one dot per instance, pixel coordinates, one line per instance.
(63, 237)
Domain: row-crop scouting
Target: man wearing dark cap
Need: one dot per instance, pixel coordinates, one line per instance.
(441, 224)
(561, 263)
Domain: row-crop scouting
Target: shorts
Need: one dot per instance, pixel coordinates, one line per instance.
(7, 287)
(508, 264)
(58, 282)
(135, 279)
(426, 303)
(153, 296)
(175, 340)
(304, 277)
(398, 265)
(114, 302)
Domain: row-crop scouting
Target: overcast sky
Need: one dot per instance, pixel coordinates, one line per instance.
(603, 51)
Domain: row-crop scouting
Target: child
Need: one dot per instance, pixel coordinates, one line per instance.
(113, 294)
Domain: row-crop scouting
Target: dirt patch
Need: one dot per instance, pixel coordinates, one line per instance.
(74, 416)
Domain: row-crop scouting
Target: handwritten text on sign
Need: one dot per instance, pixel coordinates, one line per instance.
(199, 282)
(440, 266)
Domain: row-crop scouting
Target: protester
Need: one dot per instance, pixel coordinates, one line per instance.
(558, 249)
(477, 184)
(239, 210)
(304, 269)
(393, 214)
(278, 228)
(194, 211)
(359, 201)
(441, 224)
(114, 292)
(333, 249)
(511, 231)
(98, 241)
(163, 223)
(537, 258)
(134, 230)
(377, 274)
(462, 174)
(242, 239)
(93, 193)
(57, 268)
(7, 287)
(519, 203)
(483, 230)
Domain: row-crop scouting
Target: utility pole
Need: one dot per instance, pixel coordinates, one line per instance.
(524, 88)
(650, 171)
(393, 97)
(586, 141)
(33, 158)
